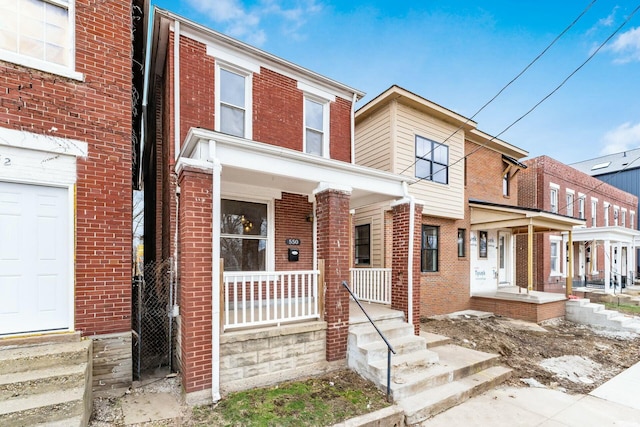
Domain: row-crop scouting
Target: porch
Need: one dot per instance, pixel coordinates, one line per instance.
(518, 303)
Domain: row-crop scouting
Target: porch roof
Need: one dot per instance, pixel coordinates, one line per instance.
(487, 215)
(611, 233)
(254, 167)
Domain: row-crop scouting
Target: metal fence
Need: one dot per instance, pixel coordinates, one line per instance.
(153, 327)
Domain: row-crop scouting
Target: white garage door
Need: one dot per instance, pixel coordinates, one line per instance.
(35, 281)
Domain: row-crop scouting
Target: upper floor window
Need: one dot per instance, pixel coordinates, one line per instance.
(362, 244)
(233, 102)
(505, 184)
(569, 204)
(554, 200)
(623, 219)
(430, 246)
(316, 127)
(632, 220)
(581, 206)
(616, 215)
(39, 34)
(606, 214)
(244, 235)
(432, 160)
(594, 213)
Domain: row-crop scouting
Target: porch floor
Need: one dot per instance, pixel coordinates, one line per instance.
(375, 311)
(515, 293)
(517, 303)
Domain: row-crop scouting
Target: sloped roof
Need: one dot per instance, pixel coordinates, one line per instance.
(610, 163)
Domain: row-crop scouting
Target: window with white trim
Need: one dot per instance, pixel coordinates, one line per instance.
(553, 200)
(606, 214)
(233, 101)
(569, 203)
(616, 215)
(432, 160)
(244, 235)
(555, 257)
(316, 126)
(632, 220)
(623, 219)
(505, 184)
(594, 212)
(581, 206)
(39, 34)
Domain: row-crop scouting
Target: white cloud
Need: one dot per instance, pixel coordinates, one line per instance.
(627, 46)
(247, 23)
(624, 137)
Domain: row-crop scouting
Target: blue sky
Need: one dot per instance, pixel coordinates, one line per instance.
(459, 54)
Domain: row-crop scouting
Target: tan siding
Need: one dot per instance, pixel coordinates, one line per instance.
(373, 148)
(440, 200)
(374, 215)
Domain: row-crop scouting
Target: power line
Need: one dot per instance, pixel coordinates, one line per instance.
(524, 70)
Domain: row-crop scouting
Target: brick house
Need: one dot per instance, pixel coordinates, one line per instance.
(249, 182)
(66, 172)
(466, 193)
(603, 250)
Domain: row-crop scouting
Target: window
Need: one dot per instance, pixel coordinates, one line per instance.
(429, 252)
(606, 214)
(569, 204)
(555, 257)
(594, 212)
(362, 244)
(554, 200)
(632, 221)
(623, 220)
(581, 206)
(462, 241)
(505, 184)
(482, 246)
(243, 235)
(316, 135)
(39, 34)
(616, 214)
(432, 160)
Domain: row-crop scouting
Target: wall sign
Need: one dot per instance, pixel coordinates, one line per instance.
(292, 242)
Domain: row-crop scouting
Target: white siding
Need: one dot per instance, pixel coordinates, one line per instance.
(373, 140)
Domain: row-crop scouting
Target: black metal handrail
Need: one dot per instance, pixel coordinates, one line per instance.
(389, 347)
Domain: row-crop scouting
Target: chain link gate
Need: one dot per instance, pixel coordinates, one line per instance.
(152, 324)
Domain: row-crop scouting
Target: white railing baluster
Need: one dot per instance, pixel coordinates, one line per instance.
(372, 284)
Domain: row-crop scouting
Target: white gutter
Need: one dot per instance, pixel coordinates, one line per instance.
(215, 274)
(412, 226)
(176, 86)
(353, 128)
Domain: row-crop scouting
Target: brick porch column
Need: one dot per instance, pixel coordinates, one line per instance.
(400, 261)
(332, 216)
(195, 279)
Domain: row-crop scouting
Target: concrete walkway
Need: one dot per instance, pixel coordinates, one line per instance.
(617, 402)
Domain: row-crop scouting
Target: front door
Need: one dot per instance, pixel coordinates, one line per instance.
(503, 258)
(35, 284)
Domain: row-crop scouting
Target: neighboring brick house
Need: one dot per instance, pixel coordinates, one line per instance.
(467, 199)
(249, 161)
(66, 169)
(603, 251)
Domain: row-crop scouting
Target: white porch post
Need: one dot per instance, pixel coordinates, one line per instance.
(215, 277)
(607, 266)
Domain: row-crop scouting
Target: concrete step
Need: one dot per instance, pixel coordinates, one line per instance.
(424, 405)
(366, 333)
(454, 363)
(35, 357)
(417, 360)
(378, 350)
(58, 378)
(435, 340)
(579, 302)
(43, 408)
(12, 342)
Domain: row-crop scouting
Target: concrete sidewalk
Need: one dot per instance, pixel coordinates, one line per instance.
(617, 402)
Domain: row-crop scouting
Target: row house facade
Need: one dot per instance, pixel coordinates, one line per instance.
(249, 183)
(602, 252)
(67, 132)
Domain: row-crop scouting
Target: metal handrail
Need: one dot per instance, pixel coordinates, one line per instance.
(389, 347)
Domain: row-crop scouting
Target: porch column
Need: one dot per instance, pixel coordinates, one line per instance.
(530, 257)
(607, 266)
(569, 283)
(195, 218)
(400, 262)
(332, 214)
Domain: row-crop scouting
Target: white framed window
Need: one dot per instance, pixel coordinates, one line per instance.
(632, 220)
(581, 198)
(570, 195)
(316, 126)
(623, 218)
(616, 215)
(246, 235)
(553, 200)
(233, 98)
(594, 212)
(39, 34)
(606, 214)
(555, 255)
(505, 184)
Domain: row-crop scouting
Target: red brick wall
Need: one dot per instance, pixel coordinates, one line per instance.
(520, 310)
(195, 292)
(340, 129)
(291, 222)
(484, 175)
(332, 213)
(446, 290)
(98, 111)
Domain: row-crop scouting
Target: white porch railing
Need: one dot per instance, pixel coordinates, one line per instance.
(263, 298)
(372, 284)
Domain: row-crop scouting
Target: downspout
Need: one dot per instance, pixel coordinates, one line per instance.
(215, 274)
(176, 86)
(353, 129)
(412, 226)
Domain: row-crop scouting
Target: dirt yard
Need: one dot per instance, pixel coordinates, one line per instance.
(556, 354)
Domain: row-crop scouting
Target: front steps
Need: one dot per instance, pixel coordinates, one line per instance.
(424, 381)
(585, 312)
(44, 383)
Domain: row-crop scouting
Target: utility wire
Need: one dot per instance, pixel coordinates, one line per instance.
(524, 70)
(549, 94)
